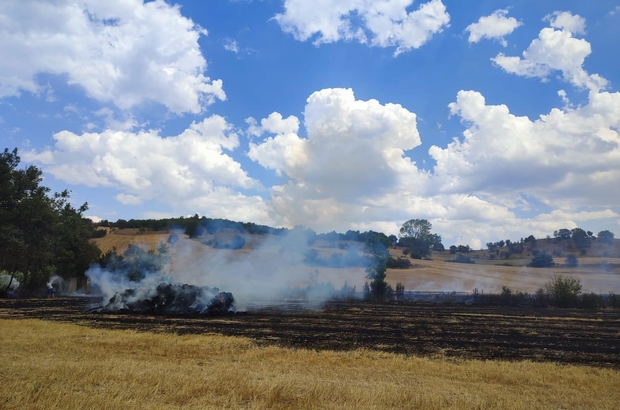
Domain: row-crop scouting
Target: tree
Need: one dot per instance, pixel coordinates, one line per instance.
(416, 228)
(542, 260)
(376, 271)
(40, 235)
(606, 237)
(563, 290)
(562, 234)
(571, 260)
(580, 237)
(416, 237)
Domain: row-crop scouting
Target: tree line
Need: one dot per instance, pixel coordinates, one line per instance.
(41, 234)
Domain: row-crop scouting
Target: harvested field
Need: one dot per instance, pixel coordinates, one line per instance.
(568, 336)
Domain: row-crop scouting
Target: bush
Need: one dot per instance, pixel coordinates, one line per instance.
(592, 301)
(461, 259)
(398, 263)
(614, 300)
(400, 290)
(237, 242)
(563, 290)
(541, 297)
(571, 260)
(541, 260)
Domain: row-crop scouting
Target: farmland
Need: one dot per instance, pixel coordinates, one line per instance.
(343, 354)
(574, 336)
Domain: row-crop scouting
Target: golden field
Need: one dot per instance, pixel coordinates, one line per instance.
(49, 365)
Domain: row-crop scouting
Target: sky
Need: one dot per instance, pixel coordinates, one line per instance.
(491, 119)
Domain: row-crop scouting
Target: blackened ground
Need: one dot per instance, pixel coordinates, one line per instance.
(453, 330)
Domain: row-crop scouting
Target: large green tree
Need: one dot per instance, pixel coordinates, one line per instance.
(418, 240)
(40, 235)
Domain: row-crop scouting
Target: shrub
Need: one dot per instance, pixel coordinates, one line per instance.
(400, 290)
(571, 260)
(541, 260)
(614, 300)
(398, 263)
(563, 290)
(592, 301)
(461, 259)
(237, 242)
(541, 297)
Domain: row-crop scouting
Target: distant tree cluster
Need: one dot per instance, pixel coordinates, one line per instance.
(41, 234)
(460, 248)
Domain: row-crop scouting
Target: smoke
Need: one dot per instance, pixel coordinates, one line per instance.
(59, 285)
(267, 269)
(4, 282)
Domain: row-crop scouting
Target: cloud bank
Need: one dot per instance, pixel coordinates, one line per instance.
(123, 52)
(384, 23)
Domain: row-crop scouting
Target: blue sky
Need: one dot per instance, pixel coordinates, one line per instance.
(492, 119)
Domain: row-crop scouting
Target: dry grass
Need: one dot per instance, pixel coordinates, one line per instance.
(61, 366)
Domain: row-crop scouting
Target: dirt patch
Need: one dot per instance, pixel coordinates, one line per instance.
(459, 331)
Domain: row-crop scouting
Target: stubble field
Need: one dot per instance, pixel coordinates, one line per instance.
(347, 355)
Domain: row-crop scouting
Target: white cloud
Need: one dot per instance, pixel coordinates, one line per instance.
(350, 171)
(564, 20)
(566, 158)
(383, 23)
(190, 172)
(127, 199)
(94, 218)
(354, 154)
(495, 26)
(555, 50)
(112, 124)
(231, 45)
(119, 51)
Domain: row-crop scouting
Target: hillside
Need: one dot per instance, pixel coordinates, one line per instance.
(264, 255)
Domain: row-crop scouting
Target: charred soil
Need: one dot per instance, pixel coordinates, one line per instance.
(452, 330)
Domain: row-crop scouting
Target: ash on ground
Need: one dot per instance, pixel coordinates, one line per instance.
(172, 300)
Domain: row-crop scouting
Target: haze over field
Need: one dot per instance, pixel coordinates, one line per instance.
(492, 120)
(268, 268)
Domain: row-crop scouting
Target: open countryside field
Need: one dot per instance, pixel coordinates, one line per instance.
(425, 275)
(345, 356)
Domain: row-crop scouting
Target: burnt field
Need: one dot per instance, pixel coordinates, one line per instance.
(572, 336)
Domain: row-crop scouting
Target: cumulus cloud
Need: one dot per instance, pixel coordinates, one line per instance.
(384, 23)
(351, 171)
(495, 26)
(567, 158)
(555, 50)
(565, 20)
(190, 171)
(353, 155)
(119, 51)
(127, 199)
